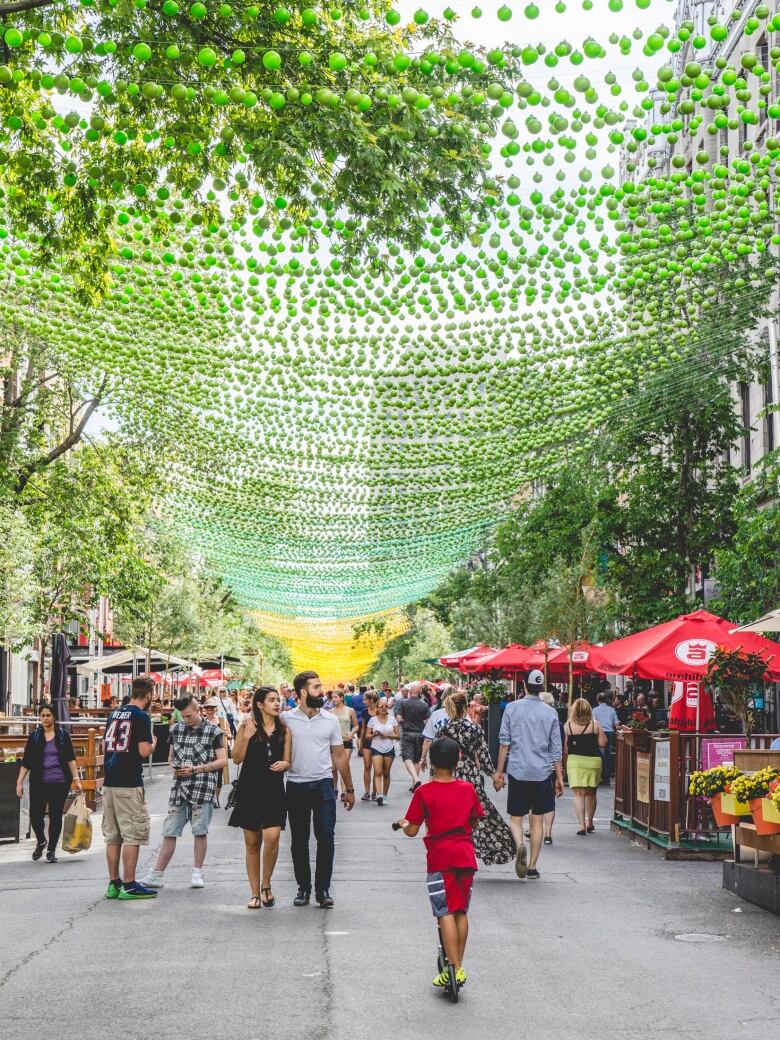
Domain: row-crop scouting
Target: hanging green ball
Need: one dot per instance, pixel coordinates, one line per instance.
(74, 45)
(142, 52)
(272, 60)
(198, 11)
(392, 17)
(421, 17)
(504, 13)
(170, 8)
(207, 57)
(337, 62)
(531, 11)
(13, 38)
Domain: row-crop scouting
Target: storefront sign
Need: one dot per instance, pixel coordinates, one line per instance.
(719, 751)
(643, 777)
(662, 771)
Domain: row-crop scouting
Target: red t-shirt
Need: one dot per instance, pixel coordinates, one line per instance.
(447, 810)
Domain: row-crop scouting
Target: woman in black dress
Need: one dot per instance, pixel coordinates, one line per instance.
(493, 841)
(263, 749)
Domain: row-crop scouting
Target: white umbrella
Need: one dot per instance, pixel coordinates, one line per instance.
(768, 623)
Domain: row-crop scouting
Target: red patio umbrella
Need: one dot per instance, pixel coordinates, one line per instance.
(510, 659)
(680, 650)
(476, 664)
(453, 660)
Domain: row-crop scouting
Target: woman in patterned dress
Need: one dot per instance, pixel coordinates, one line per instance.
(493, 841)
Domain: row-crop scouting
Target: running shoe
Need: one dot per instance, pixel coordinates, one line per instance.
(521, 861)
(154, 879)
(380, 800)
(135, 890)
(366, 797)
(197, 879)
(460, 977)
(51, 856)
(533, 874)
(39, 850)
(442, 979)
(373, 796)
(113, 890)
(548, 841)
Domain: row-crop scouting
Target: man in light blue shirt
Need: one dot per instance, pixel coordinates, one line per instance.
(531, 738)
(607, 718)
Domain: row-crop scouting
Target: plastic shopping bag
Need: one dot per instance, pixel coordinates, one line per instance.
(77, 827)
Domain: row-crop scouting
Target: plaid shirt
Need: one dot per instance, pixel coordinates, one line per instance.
(194, 747)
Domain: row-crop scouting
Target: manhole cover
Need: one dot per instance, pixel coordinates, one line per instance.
(701, 937)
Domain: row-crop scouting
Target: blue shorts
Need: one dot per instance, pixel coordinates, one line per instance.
(450, 890)
(179, 815)
(534, 796)
(383, 754)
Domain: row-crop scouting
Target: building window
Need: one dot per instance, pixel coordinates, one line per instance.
(744, 400)
(763, 54)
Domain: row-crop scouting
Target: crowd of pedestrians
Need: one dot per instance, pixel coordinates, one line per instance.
(291, 748)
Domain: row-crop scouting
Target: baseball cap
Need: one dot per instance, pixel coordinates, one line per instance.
(534, 680)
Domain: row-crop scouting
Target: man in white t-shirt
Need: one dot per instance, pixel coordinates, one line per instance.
(317, 748)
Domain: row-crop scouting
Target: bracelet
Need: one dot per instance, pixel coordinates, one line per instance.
(349, 790)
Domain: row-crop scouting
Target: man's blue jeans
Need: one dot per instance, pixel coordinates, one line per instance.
(317, 799)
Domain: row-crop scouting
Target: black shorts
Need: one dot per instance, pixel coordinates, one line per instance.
(411, 747)
(534, 796)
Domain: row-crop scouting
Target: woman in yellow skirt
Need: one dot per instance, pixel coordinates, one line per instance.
(584, 737)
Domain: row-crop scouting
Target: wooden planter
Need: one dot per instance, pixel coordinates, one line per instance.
(762, 824)
(638, 738)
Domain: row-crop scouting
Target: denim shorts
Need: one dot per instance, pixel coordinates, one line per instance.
(179, 815)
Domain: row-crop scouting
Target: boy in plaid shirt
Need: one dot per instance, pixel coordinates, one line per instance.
(197, 755)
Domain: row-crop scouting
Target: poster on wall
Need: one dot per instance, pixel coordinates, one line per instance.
(643, 777)
(662, 771)
(719, 751)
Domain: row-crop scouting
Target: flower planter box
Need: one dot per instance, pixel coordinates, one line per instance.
(770, 811)
(762, 824)
(731, 807)
(638, 738)
(724, 814)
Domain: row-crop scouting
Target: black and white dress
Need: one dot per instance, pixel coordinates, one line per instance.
(493, 841)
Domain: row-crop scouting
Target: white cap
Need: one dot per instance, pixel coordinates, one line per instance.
(535, 680)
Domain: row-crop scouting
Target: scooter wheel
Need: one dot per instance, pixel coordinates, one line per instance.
(452, 985)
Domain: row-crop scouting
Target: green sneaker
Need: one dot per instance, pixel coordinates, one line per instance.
(137, 891)
(460, 977)
(442, 979)
(112, 892)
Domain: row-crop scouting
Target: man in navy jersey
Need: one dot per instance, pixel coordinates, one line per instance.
(127, 742)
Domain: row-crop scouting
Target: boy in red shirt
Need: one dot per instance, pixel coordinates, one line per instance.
(450, 809)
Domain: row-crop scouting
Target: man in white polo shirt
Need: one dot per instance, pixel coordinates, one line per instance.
(317, 747)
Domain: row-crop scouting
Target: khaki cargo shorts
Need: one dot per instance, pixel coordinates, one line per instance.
(125, 816)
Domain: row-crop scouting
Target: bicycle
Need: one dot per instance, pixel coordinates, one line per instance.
(452, 988)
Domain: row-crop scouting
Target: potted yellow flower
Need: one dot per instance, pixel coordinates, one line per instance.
(754, 789)
(715, 784)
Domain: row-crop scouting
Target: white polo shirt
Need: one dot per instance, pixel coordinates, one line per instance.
(312, 739)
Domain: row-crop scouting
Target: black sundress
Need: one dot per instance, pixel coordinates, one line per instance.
(493, 841)
(260, 794)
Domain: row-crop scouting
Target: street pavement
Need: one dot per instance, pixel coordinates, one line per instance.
(611, 942)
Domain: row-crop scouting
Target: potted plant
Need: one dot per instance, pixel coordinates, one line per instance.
(770, 807)
(733, 672)
(493, 692)
(636, 732)
(715, 784)
(754, 789)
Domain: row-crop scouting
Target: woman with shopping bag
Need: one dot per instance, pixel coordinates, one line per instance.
(50, 761)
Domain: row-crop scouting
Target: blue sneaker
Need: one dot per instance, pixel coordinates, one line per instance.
(136, 890)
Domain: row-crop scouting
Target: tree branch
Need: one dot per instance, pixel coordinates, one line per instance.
(69, 442)
(24, 5)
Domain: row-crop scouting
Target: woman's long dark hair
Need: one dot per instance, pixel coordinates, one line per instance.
(258, 699)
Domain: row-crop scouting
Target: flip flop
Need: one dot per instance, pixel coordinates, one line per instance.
(254, 903)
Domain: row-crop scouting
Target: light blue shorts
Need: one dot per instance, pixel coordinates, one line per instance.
(179, 815)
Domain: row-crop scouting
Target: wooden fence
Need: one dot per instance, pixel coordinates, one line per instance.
(652, 773)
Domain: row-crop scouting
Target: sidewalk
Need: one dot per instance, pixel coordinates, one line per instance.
(591, 950)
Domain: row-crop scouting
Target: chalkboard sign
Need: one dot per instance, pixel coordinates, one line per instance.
(9, 803)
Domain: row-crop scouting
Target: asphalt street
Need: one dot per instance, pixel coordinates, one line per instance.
(612, 941)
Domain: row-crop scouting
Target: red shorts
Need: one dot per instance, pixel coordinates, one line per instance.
(450, 890)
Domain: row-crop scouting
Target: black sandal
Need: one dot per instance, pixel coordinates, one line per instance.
(270, 902)
(591, 829)
(254, 903)
(582, 833)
